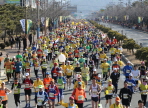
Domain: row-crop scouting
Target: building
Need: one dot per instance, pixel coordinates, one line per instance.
(2, 2)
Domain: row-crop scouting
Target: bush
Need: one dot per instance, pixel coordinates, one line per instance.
(142, 53)
(2, 45)
(7, 43)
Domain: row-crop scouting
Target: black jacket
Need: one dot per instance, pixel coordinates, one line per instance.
(115, 77)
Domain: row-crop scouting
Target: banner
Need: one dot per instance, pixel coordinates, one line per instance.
(43, 20)
(13, 1)
(140, 19)
(47, 22)
(116, 17)
(29, 24)
(60, 18)
(126, 17)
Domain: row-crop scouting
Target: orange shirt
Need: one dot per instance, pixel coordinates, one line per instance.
(46, 82)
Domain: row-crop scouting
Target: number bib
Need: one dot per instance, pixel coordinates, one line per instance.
(27, 86)
(110, 92)
(129, 84)
(8, 70)
(36, 68)
(15, 90)
(143, 76)
(80, 98)
(51, 94)
(127, 71)
(125, 96)
(144, 92)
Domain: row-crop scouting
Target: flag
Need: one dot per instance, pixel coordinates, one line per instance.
(60, 18)
(43, 20)
(47, 21)
(140, 19)
(22, 21)
(29, 24)
(33, 4)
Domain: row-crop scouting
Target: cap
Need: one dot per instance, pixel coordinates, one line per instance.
(128, 62)
(114, 68)
(142, 62)
(105, 59)
(60, 71)
(79, 76)
(40, 86)
(95, 70)
(47, 73)
(3, 82)
(80, 83)
(27, 74)
(44, 57)
(78, 63)
(117, 99)
(55, 64)
(109, 80)
(71, 98)
(99, 75)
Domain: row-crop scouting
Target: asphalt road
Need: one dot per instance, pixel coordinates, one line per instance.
(67, 94)
(137, 35)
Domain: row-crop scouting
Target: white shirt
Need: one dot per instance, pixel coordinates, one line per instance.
(135, 73)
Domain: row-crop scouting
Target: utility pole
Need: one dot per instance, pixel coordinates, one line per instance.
(38, 19)
(44, 18)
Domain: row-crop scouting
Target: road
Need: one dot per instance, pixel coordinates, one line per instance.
(67, 94)
(137, 35)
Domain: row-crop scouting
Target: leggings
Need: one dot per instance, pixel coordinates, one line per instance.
(44, 72)
(116, 88)
(8, 76)
(36, 72)
(60, 95)
(80, 105)
(49, 56)
(105, 76)
(17, 99)
(144, 98)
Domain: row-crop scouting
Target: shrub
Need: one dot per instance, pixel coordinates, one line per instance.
(2, 45)
(7, 43)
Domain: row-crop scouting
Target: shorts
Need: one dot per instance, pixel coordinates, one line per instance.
(18, 72)
(95, 99)
(126, 102)
(68, 77)
(136, 82)
(4, 102)
(27, 92)
(53, 100)
(27, 70)
(108, 97)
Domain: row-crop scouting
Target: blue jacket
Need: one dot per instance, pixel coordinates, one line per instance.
(127, 70)
(131, 84)
(18, 66)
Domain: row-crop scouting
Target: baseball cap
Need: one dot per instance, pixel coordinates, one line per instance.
(114, 68)
(60, 71)
(79, 76)
(80, 83)
(130, 74)
(71, 98)
(128, 62)
(27, 74)
(47, 73)
(109, 80)
(3, 82)
(117, 99)
(40, 86)
(99, 75)
(95, 69)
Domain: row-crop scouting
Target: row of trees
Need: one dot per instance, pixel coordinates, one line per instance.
(129, 44)
(127, 13)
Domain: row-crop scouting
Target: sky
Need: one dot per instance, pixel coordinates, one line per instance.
(89, 6)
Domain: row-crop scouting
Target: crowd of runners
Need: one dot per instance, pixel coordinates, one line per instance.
(73, 53)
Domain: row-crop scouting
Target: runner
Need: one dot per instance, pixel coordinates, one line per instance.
(53, 91)
(71, 103)
(16, 87)
(109, 93)
(143, 70)
(47, 81)
(18, 68)
(140, 104)
(79, 79)
(94, 91)
(61, 81)
(117, 103)
(144, 90)
(28, 84)
(127, 70)
(44, 67)
(36, 84)
(4, 91)
(36, 66)
(41, 97)
(8, 68)
(125, 95)
(79, 95)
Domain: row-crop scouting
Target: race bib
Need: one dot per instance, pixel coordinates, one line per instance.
(110, 92)
(51, 94)
(129, 84)
(47, 85)
(36, 89)
(54, 74)
(125, 96)
(78, 72)
(8, 70)
(36, 68)
(127, 71)
(27, 86)
(80, 98)
(142, 76)
(15, 90)
(144, 92)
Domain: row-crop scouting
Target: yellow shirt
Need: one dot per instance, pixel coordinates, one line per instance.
(69, 70)
(64, 68)
(112, 50)
(116, 106)
(120, 63)
(118, 51)
(67, 104)
(103, 56)
(37, 83)
(105, 67)
(67, 48)
(76, 85)
(99, 49)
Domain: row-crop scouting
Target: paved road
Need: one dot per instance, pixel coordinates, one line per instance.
(67, 93)
(137, 35)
